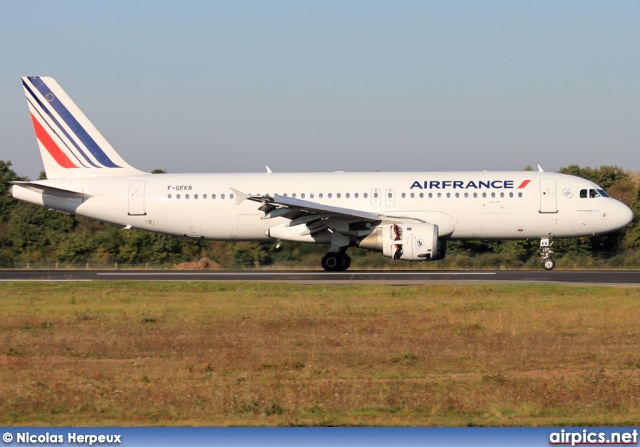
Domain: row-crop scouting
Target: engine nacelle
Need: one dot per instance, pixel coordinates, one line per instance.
(406, 241)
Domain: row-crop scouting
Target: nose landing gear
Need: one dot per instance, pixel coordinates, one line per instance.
(545, 251)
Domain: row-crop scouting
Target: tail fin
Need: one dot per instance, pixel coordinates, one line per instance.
(69, 144)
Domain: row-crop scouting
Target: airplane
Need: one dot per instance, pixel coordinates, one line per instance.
(404, 215)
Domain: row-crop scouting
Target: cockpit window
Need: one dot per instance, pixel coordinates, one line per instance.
(592, 193)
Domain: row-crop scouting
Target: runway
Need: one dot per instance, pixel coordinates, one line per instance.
(603, 277)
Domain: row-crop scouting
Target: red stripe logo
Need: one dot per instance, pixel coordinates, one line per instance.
(523, 184)
(51, 146)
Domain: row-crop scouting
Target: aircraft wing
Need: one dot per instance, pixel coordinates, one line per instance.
(342, 223)
(304, 211)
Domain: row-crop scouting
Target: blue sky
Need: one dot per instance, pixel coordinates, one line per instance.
(231, 86)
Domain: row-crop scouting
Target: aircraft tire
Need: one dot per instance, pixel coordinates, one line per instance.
(331, 262)
(335, 262)
(548, 264)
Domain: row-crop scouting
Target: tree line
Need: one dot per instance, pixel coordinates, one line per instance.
(33, 236)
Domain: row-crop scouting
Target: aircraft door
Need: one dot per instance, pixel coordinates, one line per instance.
(136, 198)
(548, 198)
(375, 197)
(389, 197)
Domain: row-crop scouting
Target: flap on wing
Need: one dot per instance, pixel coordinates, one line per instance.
(53, 191)
(327, 210)
(291, 208)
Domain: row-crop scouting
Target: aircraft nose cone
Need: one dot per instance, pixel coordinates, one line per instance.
(624, 215)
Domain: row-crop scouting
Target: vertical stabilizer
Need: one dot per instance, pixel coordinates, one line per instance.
(69, 144)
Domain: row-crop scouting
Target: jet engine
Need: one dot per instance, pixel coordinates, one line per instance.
(406, 241)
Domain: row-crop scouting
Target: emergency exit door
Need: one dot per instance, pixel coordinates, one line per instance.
(548, 196)
(136, 198)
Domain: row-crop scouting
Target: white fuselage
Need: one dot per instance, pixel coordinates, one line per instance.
(466, 205)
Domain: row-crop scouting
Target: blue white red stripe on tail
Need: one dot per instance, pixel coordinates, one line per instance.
(61, 122)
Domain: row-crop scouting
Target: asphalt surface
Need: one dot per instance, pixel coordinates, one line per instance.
(604, 277)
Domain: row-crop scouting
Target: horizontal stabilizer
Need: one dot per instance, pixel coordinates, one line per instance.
(52, 191)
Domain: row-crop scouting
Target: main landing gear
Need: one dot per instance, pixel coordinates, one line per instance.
(336, 262)
(545, 251)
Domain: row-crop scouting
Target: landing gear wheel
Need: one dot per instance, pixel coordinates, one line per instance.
(331, 262)
(335, 262)
(548, 264)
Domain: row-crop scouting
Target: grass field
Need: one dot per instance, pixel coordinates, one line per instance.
(274, 354)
